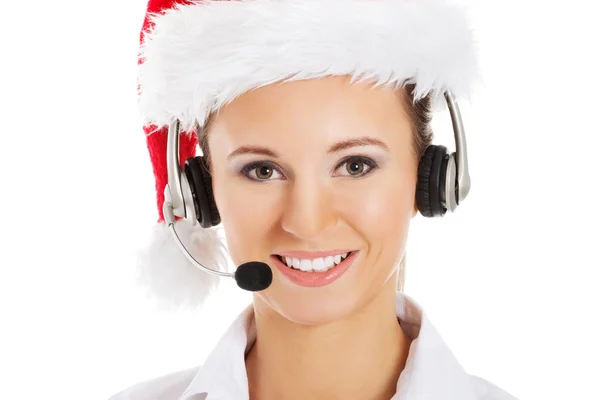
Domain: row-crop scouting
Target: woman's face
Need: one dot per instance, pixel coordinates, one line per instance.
(316, 166)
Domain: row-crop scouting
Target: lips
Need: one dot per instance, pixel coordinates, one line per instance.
(322, 275)
(315, 264)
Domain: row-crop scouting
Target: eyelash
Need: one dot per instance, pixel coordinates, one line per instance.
(372, 164)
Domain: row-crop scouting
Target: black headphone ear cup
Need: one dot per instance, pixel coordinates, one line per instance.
(215, 216)
(431, 181)
(200, 182)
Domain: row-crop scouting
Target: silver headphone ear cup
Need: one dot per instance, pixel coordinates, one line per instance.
(450, 187)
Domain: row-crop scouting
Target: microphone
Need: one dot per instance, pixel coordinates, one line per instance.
(253, 276)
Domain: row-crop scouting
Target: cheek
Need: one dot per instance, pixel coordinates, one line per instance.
(246, 215)
(382, 212)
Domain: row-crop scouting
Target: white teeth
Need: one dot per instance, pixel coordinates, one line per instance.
(305, 265)
(328, 261)
(320, 264)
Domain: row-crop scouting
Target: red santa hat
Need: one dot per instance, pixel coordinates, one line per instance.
(196, 56)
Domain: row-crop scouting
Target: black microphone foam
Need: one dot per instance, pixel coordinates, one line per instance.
(254, 276)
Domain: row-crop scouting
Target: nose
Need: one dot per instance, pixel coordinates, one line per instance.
(308, 211)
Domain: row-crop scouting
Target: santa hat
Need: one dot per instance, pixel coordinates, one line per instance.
(197, 56)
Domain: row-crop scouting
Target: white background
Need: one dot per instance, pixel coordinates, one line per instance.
(510, 280)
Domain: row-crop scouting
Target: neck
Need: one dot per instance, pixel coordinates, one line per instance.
(358, 357)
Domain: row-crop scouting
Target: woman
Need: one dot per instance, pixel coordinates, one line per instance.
(313, 120)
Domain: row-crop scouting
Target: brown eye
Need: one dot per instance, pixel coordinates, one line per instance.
(355, 167)
(264, 172)
(261, 171)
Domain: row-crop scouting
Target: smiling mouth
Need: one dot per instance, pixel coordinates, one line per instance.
(319, 264)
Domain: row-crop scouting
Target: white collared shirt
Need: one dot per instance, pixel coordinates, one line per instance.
(431, 372)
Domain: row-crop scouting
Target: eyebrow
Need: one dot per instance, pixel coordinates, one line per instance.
(339, 146)
(357, 142)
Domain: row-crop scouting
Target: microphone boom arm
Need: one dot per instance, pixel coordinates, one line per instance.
(169, 215)
(192, 259)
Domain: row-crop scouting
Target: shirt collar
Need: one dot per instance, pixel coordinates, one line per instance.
(431, 372)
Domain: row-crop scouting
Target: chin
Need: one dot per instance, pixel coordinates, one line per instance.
(313, 309)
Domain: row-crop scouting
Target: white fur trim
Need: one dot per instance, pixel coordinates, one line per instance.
(168, 275)
(201, 56)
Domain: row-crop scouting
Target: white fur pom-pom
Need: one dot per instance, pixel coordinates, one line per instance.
(169, 277)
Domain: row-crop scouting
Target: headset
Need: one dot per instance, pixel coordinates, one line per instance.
(443, 182)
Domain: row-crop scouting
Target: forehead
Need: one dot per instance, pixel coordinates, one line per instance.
(312, 113)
